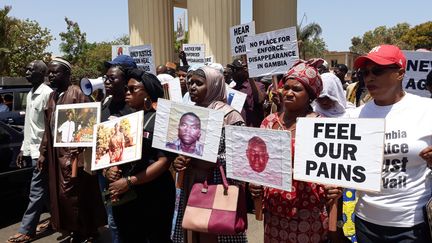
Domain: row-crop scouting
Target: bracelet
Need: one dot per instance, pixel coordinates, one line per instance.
(129, 181)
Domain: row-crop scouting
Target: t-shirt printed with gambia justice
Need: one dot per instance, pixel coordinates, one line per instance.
(406, 180)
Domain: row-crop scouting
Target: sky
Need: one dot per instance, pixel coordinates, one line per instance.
(340, 20)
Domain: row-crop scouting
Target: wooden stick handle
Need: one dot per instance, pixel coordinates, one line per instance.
(74, 166)
(258, 208)
(180, 178)
(275, 82)
(333, 217)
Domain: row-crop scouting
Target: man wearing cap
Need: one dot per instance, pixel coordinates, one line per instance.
(253, 111)
(76, 206)
(396, 213)
(340, 71)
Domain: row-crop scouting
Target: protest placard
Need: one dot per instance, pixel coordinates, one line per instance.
(272, 52)
(195, 53)
(117, 50)
(238, 34)
(341, 152)
(143, 57)
(419, 64)
(173, 89)
(181, 26)
(260, 156)
(118, 141)
(188, 130)
(209, 59)
(74, 124)
(236, 99)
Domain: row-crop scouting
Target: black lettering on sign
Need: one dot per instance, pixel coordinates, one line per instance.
(399, 182)
(395, 165)
(395, 134)
(310, 166)
(336, 171)
(412, 84)
(336, 150)
(329, 131)
(241, 30)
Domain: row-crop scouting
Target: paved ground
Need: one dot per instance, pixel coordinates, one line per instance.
(255, 233)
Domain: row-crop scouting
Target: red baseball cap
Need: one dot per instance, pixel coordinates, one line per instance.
(383, 55)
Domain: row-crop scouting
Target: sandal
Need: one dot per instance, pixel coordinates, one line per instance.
(21, 238)
(43, 226)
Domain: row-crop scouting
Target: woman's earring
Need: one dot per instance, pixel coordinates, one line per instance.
(147, 104)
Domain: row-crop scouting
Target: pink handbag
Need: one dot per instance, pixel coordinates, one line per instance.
(216, 209)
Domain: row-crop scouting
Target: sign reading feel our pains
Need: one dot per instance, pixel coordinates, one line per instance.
(238, 34)
(272, 52)
(419, 64)
(340, 152)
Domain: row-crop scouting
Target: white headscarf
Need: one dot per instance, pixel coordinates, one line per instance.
(332, 88)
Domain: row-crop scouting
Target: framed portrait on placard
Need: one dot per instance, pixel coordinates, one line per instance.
(118, 141)
(74, 124)
(260, 156)
(189, 130)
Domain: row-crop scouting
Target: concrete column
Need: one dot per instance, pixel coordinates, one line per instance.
(151, 22)
(272, 15)
(209, 23)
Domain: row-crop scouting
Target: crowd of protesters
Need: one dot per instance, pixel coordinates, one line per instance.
(77, 202)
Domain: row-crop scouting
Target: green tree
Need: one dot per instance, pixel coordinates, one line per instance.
(381, 35)
(74, 42)
(420, 36)
(21, 41)
(309, 36)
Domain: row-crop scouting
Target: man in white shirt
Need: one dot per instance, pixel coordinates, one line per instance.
(33, 133)
(67, 129)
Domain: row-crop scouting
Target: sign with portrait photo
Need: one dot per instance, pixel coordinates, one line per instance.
(340, 152)
(259, 156)
(118, 141)
(236, 99)
(117, 50)
(74, 124)
(188, 130)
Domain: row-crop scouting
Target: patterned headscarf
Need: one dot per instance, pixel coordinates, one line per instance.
(306, 72)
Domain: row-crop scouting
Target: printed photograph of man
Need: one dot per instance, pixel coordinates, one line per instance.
(257, 154)
(67, 128)
(189, 133)
(116, 145)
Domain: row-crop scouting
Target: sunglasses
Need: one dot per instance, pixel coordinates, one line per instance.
(132, 89)
(376, 71)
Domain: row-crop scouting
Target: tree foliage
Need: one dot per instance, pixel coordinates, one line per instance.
(21, 41)
(420, 36)
(309, 41)
(395, 35)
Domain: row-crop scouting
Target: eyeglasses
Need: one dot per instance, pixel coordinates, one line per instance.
(106, 78)
(376, 71)
(132, 89)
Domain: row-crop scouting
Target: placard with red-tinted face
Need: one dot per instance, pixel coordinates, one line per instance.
(259, 156)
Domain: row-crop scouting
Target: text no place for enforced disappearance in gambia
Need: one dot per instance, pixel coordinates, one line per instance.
(272, 52)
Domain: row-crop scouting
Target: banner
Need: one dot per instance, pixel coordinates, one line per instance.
(189, 130)
(238, 34)
(260, 156)
(143, 57)
(341, 152)
(272, 52)
(419, 64)
(117, 50)
(195, 53)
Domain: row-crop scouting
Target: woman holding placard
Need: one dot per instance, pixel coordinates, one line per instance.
(146, 186)
(300, 215)
(207, 89)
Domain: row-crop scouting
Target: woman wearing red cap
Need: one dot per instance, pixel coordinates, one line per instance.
(396, 213)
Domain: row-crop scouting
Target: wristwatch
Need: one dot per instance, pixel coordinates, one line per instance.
(340, 223)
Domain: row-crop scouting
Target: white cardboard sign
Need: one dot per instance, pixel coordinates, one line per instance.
(419, 64)
(195, 53)
(340, 152)
(235, 98)
(272, 52)
(143, 57)
(238, 34)
(260, 156)
(188, 130)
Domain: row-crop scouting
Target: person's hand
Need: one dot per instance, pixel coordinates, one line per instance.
(182, 56)
(40, 162)
(118, 187)
(113, 173)
(332, 194)
(426, 154)
(256, 191)
(181, 163)
(20, 160)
